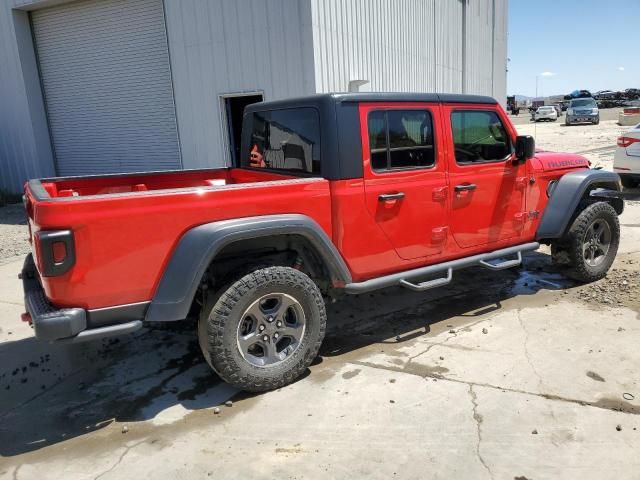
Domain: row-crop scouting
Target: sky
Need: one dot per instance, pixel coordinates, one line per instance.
(573, 45)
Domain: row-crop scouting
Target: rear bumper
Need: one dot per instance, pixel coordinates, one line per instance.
(73, 325)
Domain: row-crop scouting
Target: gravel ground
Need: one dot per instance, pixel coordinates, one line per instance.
(13, 233)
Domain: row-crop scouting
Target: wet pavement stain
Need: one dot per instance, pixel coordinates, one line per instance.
(616, 405)
(351, 374)
(595, 376)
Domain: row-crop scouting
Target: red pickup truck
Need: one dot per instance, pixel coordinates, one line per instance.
(332, 193)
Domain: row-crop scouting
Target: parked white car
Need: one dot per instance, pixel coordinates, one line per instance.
(626, 161)
(547, 112)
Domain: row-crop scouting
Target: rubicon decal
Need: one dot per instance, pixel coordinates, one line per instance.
(576, 162)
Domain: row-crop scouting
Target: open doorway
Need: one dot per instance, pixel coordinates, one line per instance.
(234, 106)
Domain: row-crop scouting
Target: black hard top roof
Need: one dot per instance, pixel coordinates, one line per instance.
(324, 98)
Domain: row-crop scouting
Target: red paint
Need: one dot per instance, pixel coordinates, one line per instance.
(123, 242)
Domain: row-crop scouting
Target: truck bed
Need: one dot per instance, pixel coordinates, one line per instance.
(145, 182)
(125, 227)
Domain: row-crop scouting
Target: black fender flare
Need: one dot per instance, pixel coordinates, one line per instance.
(200, 245)
(566, 196)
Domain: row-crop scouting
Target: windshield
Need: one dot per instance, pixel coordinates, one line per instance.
(585, 102)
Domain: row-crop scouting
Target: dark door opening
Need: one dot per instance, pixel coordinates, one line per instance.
(234, 107)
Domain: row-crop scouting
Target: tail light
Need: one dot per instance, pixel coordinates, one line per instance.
(55, 252)
(625, 142)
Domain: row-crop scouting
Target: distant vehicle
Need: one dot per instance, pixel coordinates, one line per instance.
(547, 112)
(558, 109)
(626, 161)
(578, 94)
(582, 110)
(605, 94)
(632, 93)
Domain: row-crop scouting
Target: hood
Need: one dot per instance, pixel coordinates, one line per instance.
(560, 161)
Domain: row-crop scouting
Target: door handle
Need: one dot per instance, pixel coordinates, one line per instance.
(465, 187)
(387, 197)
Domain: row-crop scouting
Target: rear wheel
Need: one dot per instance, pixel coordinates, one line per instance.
(264, 330)
(588, 249)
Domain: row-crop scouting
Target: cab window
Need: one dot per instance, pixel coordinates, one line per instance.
(400, 139)
(479, 136)
(286, 140)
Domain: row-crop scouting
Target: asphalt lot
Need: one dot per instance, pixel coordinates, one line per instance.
(516, 374)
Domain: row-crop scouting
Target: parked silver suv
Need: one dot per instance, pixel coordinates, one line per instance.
(582, 110)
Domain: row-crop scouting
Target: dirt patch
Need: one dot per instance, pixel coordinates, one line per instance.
(14, 235)
(620, 288)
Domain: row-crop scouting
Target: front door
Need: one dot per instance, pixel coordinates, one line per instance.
(487, 183)
(405, 176)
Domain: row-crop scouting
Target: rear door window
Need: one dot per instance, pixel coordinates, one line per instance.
(286, 140)
(401, 139)
(479, 136)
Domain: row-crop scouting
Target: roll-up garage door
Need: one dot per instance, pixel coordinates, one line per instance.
(105, 73)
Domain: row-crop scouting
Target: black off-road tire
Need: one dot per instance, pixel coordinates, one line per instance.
(221, 315)
(568, 253)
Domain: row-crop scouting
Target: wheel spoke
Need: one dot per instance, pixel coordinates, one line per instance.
(294, 331)
(284, 303)
(247, 341)
(271, 352)
(255, 312)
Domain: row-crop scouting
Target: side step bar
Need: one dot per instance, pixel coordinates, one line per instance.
(482, 260)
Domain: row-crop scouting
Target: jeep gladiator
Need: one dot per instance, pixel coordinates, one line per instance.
(332, 193)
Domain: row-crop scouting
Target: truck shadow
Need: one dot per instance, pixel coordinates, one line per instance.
(396, 315)
(51, 394)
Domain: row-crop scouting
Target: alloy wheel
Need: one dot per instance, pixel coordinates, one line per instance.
(271, 329)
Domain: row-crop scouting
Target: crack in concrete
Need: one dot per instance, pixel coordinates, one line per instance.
(15, 472)
(119, 461)
(547, 396)
(12, 303)
(526, 349)
(478, 419)
(438, 344)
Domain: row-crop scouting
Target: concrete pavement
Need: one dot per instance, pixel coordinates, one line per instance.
(508, 375)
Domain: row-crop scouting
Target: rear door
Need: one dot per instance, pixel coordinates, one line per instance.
(487, 184)
(405, 175)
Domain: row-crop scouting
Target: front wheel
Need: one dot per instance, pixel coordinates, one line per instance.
(588, 249)
(264, 330)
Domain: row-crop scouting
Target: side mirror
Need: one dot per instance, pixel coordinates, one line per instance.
(525, 147)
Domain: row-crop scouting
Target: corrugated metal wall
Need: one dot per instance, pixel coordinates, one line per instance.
(220, 47)
(500, 51)
(411, 45)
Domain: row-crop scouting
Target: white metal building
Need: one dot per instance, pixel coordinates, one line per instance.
(101, 86)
